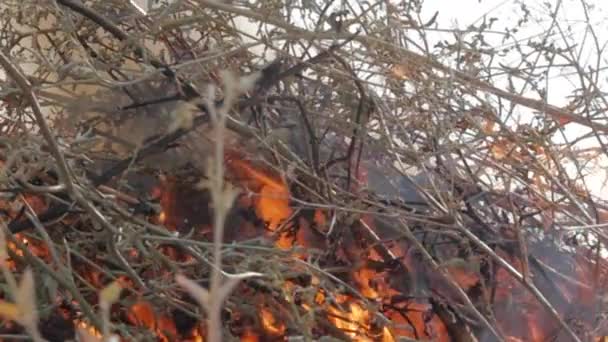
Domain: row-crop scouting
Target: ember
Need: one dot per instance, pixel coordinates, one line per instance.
(271, 326)
(357, 318)
(314, 197)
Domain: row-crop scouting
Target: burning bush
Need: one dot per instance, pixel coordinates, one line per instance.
(164, 180)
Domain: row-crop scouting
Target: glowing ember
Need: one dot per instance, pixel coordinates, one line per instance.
(36, 247)
(197, 335)
(142, 314)
(249, 336)
(82, 325)
(162, 217)
(270, 323)
(387, 336)
(354, 323)
(364, 277)
(319, 218)
(273, 203)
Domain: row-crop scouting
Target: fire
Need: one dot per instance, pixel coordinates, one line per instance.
(142, 314)
(197, 335)
(273, 203)
(354, 323)
(162, 217)
(387, 336)
(249, 336)
(36, 247)
(91, 330)
(270, 323)
(364, 277)
(354, 317)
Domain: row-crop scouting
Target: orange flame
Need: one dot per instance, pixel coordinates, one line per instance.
(36, 247)
(162, 217)
(270, 323)
(363, 277)
(387, 336)
(142, 314)
(272, 205)
(197, 335)
(354, 323)
(91, 330)
(249, 336)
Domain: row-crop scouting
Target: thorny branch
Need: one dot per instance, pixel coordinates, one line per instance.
(427, 144)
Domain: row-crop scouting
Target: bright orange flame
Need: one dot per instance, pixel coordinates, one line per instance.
(88, 328)
(272, 205)
(416, 323)
(354, 323)
(142, 314)
(387, 336)
(249, 336)
(162, 217)
(197, 335)
(363, 277)
(320, 219)
(270, 323)
(258, 176)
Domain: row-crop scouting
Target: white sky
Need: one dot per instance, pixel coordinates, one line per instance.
(574, 25)
(571, 17)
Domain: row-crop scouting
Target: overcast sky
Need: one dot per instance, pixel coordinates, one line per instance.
(572, 21)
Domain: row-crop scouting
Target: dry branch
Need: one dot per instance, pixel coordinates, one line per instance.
(386, 190)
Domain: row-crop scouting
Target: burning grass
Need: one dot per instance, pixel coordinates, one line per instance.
(351, 279)
(275, 237)
(312, 286)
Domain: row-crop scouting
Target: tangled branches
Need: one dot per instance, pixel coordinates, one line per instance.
(427, 186)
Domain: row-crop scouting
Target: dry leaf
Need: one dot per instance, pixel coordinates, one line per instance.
(499, 150)
(9, 310)
(25, 299)
(183, 116)
(110, 294)
(488, 126)
(562, 120)
(400, 71)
